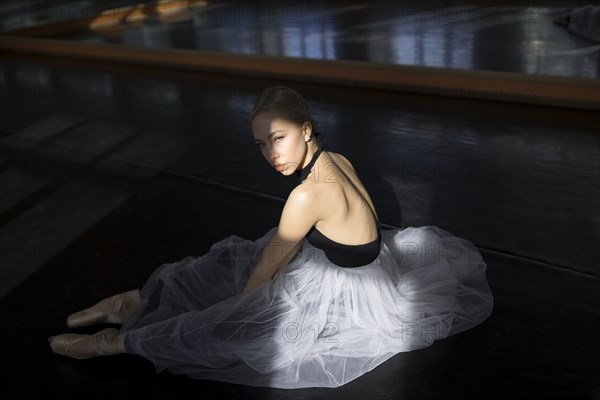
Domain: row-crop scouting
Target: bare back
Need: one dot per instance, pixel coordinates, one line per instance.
(346, 216)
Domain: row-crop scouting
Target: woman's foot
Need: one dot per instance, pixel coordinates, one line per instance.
(113, 310)
(104, 343)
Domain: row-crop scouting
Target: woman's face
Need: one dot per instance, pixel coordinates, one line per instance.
(281, 141)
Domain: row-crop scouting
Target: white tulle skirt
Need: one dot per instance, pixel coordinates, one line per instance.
(315, 324)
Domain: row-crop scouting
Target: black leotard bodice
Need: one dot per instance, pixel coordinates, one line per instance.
(345, 255)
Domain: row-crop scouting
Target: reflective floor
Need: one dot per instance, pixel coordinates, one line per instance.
(497, 37)
(106, 172)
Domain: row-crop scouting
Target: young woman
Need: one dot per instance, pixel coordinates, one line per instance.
(319, 300)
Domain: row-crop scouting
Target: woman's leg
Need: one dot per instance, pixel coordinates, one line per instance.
(114, 309)
(104, 343)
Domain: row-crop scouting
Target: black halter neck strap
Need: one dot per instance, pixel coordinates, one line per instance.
(303, 173)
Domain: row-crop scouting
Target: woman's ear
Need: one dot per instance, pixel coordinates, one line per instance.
(307, 129)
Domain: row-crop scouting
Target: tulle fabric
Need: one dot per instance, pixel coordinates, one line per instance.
(315, 324)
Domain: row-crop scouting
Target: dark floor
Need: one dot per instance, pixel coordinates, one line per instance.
(108, 171)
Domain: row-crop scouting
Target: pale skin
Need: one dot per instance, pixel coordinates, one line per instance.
(331, 198)
(326, 199)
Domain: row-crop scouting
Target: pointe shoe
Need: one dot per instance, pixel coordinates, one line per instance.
(104, 343)
(113, 310)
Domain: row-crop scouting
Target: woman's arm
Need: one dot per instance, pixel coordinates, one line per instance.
(275, 255)
(297, 217)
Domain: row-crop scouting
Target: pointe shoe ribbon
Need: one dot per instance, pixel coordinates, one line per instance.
(88, 317)
(104, 343)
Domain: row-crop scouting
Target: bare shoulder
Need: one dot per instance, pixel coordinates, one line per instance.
(302, 195)
(299, 214)
(312, 200)
(302, 201)
(340, 157)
